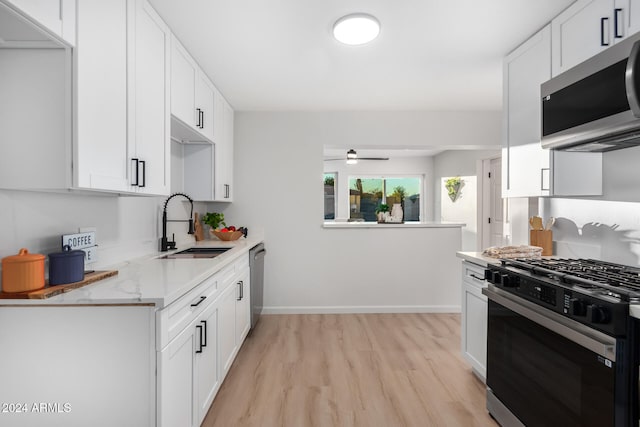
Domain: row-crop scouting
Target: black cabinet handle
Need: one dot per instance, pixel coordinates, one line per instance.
(226, 191)
(602, 21)
(202, 298)
(617, 19)
(476, 277)
(144, 173)
(198, 119)
(201, 119)
(134, 166)
(199, 328)
(204, 340)
(239, 291)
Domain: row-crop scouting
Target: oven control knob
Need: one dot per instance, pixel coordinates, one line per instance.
(578, 307)
(597, 314)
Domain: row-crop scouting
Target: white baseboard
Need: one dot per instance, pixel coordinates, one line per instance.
(363, 309)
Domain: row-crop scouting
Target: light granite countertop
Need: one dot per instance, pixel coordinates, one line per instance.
(150, 279)
(477, 258)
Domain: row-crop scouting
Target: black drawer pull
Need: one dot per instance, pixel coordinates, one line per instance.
(199, 302)
(199, 328)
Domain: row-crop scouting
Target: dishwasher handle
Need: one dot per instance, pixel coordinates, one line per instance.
(260, 253)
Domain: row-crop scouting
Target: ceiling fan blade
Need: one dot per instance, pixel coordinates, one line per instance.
(332, 160)
(373, 158)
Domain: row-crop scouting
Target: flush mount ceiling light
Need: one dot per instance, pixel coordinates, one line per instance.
(356, 29)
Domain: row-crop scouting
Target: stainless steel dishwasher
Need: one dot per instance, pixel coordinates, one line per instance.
(256, 264)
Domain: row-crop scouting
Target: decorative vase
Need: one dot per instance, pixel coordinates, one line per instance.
(396, 212)
(380, 216)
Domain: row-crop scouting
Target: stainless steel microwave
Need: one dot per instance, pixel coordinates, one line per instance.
(594, 106)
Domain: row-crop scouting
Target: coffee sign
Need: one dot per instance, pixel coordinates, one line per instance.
(83, 241)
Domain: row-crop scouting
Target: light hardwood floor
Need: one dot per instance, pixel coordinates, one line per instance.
(351, 370)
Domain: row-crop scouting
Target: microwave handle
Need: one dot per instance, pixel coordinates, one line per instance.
(630, 79)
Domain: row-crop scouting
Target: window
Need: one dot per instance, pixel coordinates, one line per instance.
(330, 195)
(367, 193)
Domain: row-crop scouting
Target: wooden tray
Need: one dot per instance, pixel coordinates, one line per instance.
(50, 291)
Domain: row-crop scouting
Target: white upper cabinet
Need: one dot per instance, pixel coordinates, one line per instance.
(192, 98)
(224, 150)
(101, 143)
(149, 101)
(523, 159)
(122, 98)
(208, 168)
(57, 16)
(528, 170)
(590, 26)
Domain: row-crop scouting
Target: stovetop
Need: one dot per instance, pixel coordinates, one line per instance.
(595, 293)
(595, 277)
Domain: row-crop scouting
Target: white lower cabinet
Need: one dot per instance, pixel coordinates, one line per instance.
(227, 327)
(207, 375)
(204, 329)
(175, 381)
(474, 318)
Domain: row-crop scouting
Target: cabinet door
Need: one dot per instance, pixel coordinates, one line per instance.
(474, 317)
(183, 83)
(523, 157)
(227, 328)
(207, 378)
(626, 18)
(474, 308)
(101, 142)
(149, 100)
(205, 105)
(223, 149)
(581, 31)
(175, 381)
(243, 308)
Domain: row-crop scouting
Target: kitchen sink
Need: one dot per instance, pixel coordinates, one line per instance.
(196, 253)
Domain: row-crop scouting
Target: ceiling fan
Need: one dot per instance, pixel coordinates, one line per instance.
(352, 158)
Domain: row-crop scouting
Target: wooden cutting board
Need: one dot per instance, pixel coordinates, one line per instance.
(50, 291)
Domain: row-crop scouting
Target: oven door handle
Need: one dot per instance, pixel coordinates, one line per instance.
(580, 334)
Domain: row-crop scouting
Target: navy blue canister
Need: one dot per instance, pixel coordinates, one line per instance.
(66, 266)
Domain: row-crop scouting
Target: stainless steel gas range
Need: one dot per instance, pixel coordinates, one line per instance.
(562, 348)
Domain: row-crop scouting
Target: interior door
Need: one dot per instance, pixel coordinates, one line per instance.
(496, 204)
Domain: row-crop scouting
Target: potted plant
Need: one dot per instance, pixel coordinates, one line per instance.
(214, 220)
(453, 186)
(382, 212)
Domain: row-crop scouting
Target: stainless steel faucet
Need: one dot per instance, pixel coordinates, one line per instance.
(166, 244)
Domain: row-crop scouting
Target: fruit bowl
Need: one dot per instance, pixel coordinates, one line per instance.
(227, 235)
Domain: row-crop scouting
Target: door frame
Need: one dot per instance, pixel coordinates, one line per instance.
(483, 166)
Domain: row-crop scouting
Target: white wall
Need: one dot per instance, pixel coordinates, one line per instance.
(126, 226)
(278, 188)
(463, 163)
(606, 227)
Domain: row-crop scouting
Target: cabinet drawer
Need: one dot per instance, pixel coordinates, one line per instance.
(227, 274)
(173, 319)
(473, 274)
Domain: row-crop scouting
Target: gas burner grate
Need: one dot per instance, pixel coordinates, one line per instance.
(607, 278)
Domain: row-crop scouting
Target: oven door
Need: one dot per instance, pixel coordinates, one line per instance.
(542, 370)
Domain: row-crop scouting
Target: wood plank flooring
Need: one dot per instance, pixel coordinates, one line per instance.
(351, 370)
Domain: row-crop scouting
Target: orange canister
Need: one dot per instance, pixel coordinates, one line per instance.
(23, 272)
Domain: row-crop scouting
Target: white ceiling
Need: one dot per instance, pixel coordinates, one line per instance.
(430, 55)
